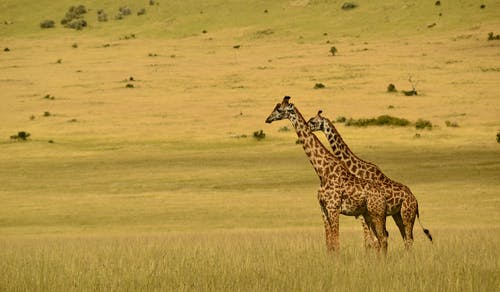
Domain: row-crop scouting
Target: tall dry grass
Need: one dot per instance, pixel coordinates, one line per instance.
(247, 260)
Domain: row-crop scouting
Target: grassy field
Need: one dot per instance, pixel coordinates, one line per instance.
(160, 185)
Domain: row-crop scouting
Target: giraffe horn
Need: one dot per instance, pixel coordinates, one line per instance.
(320, 112)
(286, 99)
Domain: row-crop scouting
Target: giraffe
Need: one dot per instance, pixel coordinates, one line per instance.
(340, 192)
(401, 203)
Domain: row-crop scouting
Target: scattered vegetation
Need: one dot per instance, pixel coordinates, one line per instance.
(319, 86)
(122, 12)
(20, 136)
(50, 97)
(498, 137)
(47, 24)
(451, 124)
(349, 6)
(284, 129)
(492, 36)
(341, 119)
(102, 16)
(259, 135)
(391, 88)
(422, 124)
(74, 17)
(333, 50)
(128, 37)
(383, 120)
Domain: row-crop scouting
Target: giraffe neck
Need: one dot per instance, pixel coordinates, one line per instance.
(318, 155)
(354, 164)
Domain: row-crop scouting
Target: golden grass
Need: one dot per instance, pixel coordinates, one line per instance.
(247, 260)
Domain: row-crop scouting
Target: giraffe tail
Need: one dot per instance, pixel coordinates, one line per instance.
(426, 231)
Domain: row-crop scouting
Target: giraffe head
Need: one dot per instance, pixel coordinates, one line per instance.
(281, 111)
(317, 123)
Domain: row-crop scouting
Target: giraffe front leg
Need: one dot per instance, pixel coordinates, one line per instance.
(333, 219)
(326, 222)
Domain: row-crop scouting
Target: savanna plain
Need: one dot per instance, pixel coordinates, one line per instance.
(142, 171)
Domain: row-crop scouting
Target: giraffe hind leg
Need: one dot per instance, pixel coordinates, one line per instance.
(370, 238)
(399, 222)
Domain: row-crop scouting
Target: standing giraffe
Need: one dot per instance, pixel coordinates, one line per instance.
(340, 191)
(401, 203)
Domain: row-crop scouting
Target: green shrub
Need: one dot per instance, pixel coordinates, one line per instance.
(22, 135)
(319, 86)
(498, 137)
(341, 119)
(333, 51)
(423, 124)
(284, 129)
(391, 88)
(47, 24)
(383, 120)
(259, 135)
(492, 36)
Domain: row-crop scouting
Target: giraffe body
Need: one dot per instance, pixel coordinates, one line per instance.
(340, 191)
(401, 203)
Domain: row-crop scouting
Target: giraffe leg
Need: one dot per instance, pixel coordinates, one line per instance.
(399, 222)
(333, 219)
(408, 215)
(370, 238)
(379, 228)
(376, 209)
(326, 222)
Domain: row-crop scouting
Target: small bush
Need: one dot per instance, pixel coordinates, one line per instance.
(47, 114)
(284, 129)
(383, 120)
(319, 86)
(74, 17)
(498, 137)
(492, 36)
(349, 6)
(333, 51)
(391, 88)
(47, 24)
(102, 16)
(141, 12)
(129, 85)
(423, 124)
(259, 135)
(341, 119)
(22, 135)
(451, 124)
